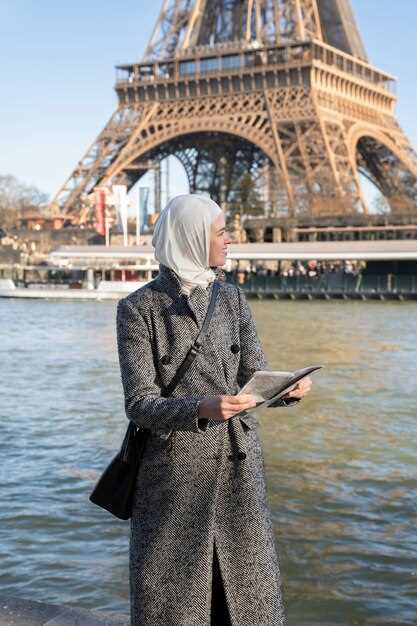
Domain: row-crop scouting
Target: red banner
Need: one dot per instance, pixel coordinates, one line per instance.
(100, 198)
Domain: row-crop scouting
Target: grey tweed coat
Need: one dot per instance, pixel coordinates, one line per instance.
(201, 482)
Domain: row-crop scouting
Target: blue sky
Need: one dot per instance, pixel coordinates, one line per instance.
(57, 74)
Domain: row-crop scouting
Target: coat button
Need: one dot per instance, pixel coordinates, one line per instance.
(240, 455)
(164, 359)
(235, 348)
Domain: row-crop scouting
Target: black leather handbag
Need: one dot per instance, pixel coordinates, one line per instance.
(115, 488)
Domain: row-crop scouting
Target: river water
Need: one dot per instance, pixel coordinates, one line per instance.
(341, 466)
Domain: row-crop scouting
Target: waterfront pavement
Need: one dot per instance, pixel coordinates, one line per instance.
(16, 611)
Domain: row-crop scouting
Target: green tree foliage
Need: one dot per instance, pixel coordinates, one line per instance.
(247, 199)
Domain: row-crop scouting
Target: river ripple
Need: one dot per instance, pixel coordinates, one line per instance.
(341, 466)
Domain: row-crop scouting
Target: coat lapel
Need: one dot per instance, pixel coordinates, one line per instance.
(195, 304)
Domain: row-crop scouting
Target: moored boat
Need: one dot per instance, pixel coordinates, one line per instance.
(106, 290)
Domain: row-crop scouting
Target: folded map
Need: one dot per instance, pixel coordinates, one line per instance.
(268, 385)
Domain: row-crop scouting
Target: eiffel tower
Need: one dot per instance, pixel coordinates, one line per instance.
(279, 89)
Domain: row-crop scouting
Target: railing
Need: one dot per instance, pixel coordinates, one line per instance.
(332, 283)
(348, 64)
(216, 63)
(268, 57)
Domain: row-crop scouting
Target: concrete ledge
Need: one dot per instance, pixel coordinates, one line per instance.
(20, 612)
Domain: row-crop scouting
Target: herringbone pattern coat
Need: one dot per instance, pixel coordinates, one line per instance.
(200, 481)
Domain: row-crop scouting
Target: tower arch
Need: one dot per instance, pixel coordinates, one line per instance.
(388, 163)
(215, 161)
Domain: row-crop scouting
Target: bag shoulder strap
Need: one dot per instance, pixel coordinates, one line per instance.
(195, 348)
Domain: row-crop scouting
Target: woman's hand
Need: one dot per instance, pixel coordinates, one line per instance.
(300, 390)
(223, 407)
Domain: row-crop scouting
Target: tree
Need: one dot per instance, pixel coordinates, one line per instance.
(15, 196)
(247, 200)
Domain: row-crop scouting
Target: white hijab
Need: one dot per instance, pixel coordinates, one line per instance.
(182, 238)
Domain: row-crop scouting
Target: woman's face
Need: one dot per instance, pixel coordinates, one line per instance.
(219, 241)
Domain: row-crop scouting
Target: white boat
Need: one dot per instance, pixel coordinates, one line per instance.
(106, 290)
(101, 278)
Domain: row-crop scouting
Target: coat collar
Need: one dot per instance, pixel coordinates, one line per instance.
(170, 282)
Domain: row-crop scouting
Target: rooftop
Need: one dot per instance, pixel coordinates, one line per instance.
(358, 250)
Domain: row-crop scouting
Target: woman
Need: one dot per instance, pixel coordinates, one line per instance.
(201, 545)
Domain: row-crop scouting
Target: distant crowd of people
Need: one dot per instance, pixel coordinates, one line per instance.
(310, 269)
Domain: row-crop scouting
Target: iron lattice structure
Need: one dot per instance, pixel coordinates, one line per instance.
(281, 89)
